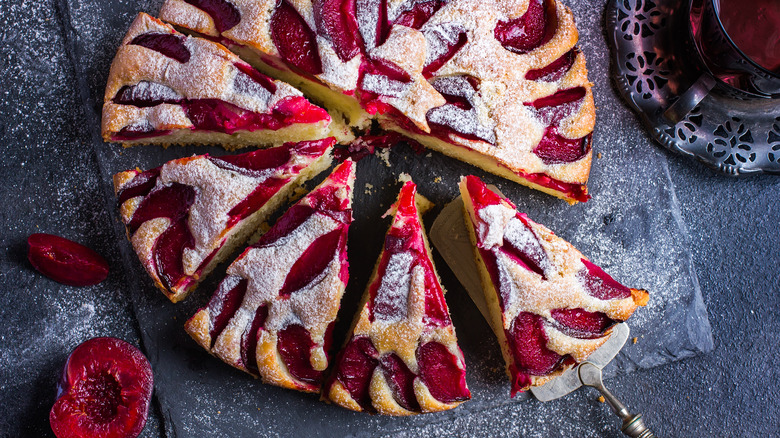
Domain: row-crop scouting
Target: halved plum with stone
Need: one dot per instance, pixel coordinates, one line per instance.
(104, 392)
(66, 261)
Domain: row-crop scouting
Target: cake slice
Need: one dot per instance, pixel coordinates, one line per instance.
(273, 314)
(185, 217)
(500, 85)
(401, 356)
(550, 306)
(167, 88)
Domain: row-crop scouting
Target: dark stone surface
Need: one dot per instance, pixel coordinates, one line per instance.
(56, 178)
(49, 184)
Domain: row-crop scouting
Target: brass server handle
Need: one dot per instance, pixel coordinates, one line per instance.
(633, 425)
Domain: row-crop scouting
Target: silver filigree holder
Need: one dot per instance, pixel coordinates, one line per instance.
(653, 66)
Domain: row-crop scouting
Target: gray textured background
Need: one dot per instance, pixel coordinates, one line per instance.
(54, 57)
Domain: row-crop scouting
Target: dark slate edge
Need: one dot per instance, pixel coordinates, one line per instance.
(696, 335)
(697, 311)
(698, 328)
(62, 10)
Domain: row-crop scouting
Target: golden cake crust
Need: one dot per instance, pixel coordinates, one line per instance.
(210, 73)
(399, 336)
(501, 103)
(264, 268)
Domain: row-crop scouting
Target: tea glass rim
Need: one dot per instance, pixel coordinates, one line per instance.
(716, 7)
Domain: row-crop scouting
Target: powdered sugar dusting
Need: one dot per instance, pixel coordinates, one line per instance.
(494, 219)
(339, 75)
(249, 92)
(219, 398)
(70, 324)
(385, 86)
(266, 268)
(440, 38)
(152, 91)
(392, 296)
(367, 14)
(218, 191)
(462, 121)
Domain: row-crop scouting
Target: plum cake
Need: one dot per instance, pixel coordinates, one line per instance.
(168, 88)
(401, 356)
(550, 306)
(273, 313)
(187, 215)
(498, 84)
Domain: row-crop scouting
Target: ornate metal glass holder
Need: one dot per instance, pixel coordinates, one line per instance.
(653, 65)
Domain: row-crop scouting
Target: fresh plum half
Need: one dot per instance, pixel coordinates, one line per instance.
(66, 261)
(104, 392)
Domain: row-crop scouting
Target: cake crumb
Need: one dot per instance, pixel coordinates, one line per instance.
(384, 155)
(437, 180)
(635, 340)
(601, 399)
(369, 189)
(598, 155)
(428, 155)
(297, 193)
(404, 177)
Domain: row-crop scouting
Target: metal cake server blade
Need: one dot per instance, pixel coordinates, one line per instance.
(451, 238)
(570, 380)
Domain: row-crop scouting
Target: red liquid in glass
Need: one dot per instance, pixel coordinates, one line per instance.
(754, 26)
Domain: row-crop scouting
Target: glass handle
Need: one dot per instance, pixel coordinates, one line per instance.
(689, 99)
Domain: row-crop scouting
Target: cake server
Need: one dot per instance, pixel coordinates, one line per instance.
(450, 237)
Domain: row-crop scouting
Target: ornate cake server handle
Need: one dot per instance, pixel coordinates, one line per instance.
(633, 426)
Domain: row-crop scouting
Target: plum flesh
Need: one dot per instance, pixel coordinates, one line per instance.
(104, 392)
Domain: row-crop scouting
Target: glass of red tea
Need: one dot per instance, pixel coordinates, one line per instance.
(738, 45)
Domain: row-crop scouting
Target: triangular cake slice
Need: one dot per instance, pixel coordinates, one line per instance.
(553, 306)
(273, 314)
(401, 356)
(168, 88)
(186, 216)
(500, 85)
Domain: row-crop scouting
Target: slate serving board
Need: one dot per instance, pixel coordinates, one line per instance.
(631, 227)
